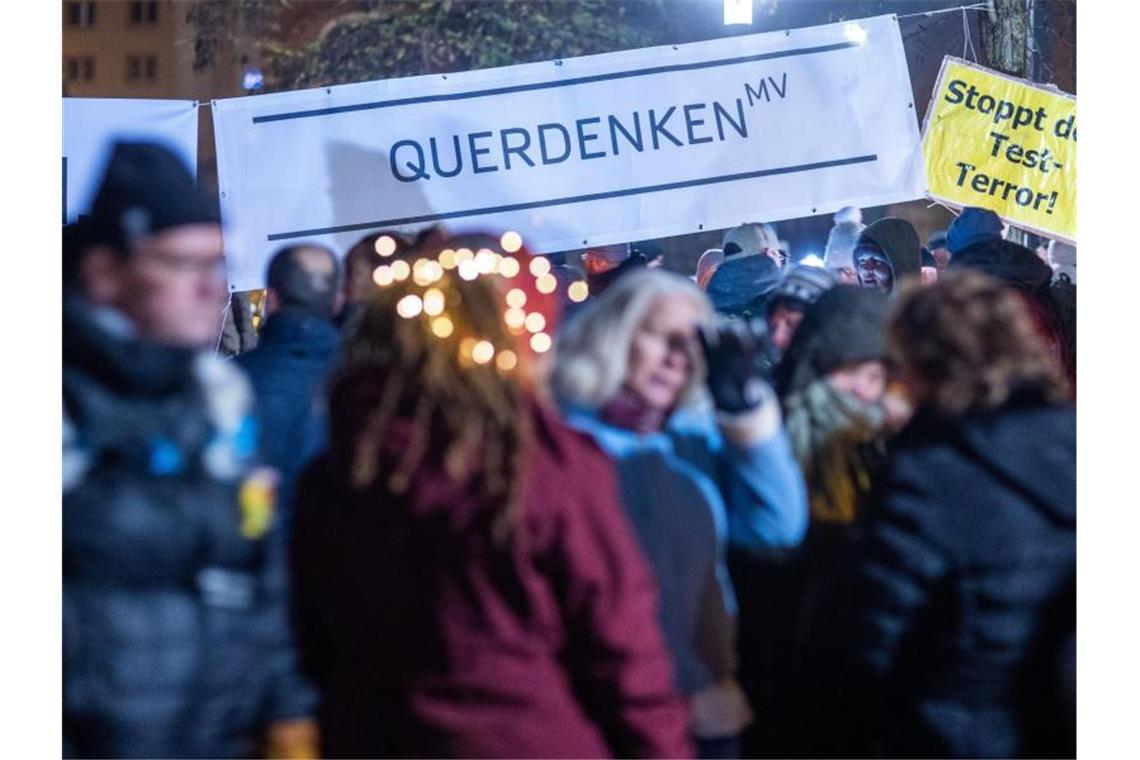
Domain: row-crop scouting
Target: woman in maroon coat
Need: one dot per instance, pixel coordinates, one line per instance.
(465, 582)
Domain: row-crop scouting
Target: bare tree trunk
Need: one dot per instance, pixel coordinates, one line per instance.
(1004, 35)
(1005, 32)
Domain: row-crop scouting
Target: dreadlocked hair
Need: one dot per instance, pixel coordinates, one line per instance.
(445, 353)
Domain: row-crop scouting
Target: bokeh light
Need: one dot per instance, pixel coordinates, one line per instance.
(540, 343)
(434, 302)
(511, 241)
(385, 245)
(482, 352)
(409, 306)
(516, 298)
(535, 322)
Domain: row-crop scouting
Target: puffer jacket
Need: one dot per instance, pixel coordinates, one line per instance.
(961, 588)
(175, 638)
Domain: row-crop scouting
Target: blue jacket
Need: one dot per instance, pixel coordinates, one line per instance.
(689, 493)
(288, 369)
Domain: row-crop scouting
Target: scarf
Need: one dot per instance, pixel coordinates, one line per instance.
(629, 411)
(837, 440)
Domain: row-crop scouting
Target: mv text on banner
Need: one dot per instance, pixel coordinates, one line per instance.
(582, 151)
(1005, 144)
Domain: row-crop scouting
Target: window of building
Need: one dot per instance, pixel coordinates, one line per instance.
(142, 68)
(144, 12)
(81, 14)
(80, 68)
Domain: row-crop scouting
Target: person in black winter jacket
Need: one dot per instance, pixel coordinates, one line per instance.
(175, 636)
(960, 591)
(292, 360)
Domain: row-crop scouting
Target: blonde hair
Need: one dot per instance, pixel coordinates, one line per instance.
(592, 359)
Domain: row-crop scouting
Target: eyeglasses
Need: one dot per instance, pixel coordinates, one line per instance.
(183, 265)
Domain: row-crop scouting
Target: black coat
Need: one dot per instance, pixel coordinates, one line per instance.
(960, 598)
(288, 370)
(174, 610)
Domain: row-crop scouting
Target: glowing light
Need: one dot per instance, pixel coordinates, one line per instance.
(463, 254)
(515, 318)
(516, 298)
(419, 272)
(506, 360)
(578, 291)
(433, 302)
(509, 267)
(385, 245)
(409, 306)
(535, 322)
(737, 12)
(546, 283)
(468, 269)
(382, 276)
(855, 33)
(485, 261)
(539, 266)
(400, 270)
(447, 259)
(812, 260)
(482, 352)
(511, 241)
(442, 327)
(427, 272)
(467, 347)
(540, 343)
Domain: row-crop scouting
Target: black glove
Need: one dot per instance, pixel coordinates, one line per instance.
(740, 359)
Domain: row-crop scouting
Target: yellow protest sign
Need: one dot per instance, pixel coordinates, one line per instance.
(1005, 144)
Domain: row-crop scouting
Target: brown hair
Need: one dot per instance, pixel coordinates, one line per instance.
(465, 406)
(967, 343)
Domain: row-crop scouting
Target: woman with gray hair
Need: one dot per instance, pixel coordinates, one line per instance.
(630, 371)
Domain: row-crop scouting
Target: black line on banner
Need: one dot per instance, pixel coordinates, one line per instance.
(549, 85)
(575, 198)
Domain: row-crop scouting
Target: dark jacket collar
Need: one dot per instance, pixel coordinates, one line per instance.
(1028, 444)
(127, 365)
(300, 331)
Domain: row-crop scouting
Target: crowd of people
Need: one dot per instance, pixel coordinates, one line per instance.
(466, 500)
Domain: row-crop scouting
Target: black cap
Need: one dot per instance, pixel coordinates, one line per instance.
(147, 189)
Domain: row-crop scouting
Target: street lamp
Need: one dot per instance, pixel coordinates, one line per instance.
(737, 12)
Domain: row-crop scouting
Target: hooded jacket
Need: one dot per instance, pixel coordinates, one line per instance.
(961, 588)
(899, 243)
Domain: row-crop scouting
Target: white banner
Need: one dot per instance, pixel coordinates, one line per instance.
(92, 125)
(583, 151)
